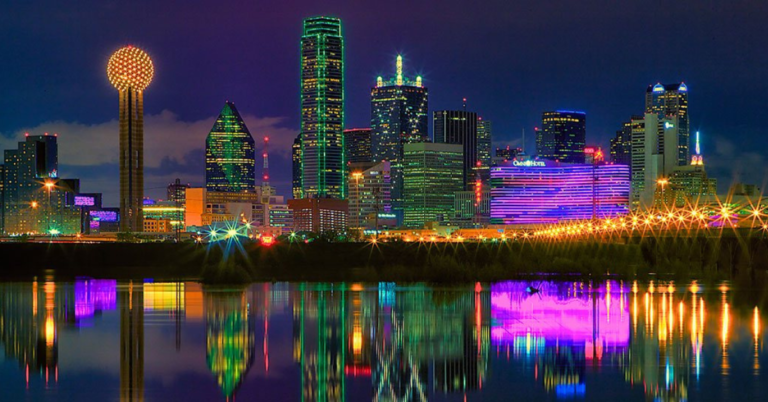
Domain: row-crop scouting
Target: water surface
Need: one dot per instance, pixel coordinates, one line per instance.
(131, 341)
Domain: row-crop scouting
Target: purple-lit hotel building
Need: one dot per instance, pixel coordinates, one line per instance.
(534, 192)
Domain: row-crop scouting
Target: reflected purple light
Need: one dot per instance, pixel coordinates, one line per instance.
(565, 314)
(92, 295)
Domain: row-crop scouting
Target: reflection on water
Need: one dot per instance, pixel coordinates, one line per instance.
(333, 342)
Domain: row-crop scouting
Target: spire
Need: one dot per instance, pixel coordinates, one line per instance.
(697, 160)
(399, 70)
(698, 148)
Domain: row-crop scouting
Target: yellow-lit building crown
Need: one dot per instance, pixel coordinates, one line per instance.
(130, 67)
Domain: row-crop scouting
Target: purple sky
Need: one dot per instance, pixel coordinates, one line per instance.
(512, 60)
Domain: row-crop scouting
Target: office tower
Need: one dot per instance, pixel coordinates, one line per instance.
(671, 101)
(432, 174)
(358, 145)
(230, 156)
(35, 199)
(459, 127)
(506, 154)
(654, 156)
(399, 109)
(547, 192)
(296, 163)
(322, 109)
(562, 136)
(621, 144)
(177, 192)
(369, 193)
(484, 139)
(130, 71)
(593, 154)
(319, 215)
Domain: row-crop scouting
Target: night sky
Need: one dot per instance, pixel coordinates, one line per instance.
(511, 59)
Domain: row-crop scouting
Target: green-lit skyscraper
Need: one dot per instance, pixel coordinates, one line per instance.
(432, 173)
(230, 158)
(323, 162)
(398, 116)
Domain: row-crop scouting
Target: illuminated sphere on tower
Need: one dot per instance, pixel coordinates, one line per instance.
(130, 68)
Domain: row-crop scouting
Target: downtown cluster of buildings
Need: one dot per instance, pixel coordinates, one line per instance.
(391, 175)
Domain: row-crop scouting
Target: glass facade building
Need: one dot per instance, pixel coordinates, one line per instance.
(230, 157)
(296, 164)
(459, 127)
(369, 193)
(538, 192)
(671, 100)
(484, 156)
(621, 144)
(35, 199)
(432, 174)
(562, 136)
(399, 115)
(323, 163)
(358, 145)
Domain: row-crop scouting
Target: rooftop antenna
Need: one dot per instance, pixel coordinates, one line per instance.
(265, 169)
(522, 147)
(464, 100)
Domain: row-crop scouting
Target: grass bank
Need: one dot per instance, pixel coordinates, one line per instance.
(679, 258)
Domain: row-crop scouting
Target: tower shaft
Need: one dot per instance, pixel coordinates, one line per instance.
(131, 160)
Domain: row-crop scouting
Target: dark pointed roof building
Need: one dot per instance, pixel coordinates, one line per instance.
(230, 158)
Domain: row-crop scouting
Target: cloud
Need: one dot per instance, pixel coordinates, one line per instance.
(172, 148)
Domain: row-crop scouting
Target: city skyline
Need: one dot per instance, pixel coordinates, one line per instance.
(732, 148)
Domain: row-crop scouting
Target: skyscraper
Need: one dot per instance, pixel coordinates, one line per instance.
(654, 156)
(296, 163)
(322, 109)
(667, 101)
(358, 145)
(432, 174)
(563, 136)
(621, 144)
(369, 193)
(130, 71)
(459, 127)
(230, 157)
(484, 139)
(399, 109)
(35, 199)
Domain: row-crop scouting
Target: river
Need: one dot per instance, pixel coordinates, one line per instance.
(107, 340)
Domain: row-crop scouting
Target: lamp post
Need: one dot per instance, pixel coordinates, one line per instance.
(663, 183)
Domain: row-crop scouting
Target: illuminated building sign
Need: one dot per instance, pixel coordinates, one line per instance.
(539, 194)
(668, 125)
(104, 216)
(528, 163)
(85, 201)
(589, 150)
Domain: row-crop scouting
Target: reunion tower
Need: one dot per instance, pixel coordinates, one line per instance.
(130, 70)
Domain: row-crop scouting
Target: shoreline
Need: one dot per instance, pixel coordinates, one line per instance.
(695, 257)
